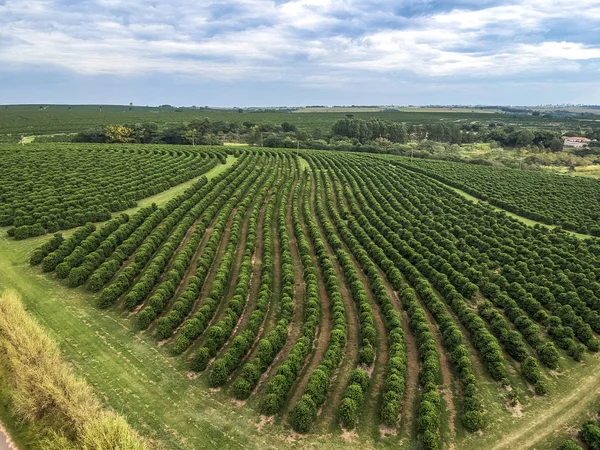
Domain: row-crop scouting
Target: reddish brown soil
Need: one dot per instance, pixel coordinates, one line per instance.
(447, 378)
(169, 265)
(231, 282)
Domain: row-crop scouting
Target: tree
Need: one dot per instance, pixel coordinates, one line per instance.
(255, 136)
(525, 138)
(119, 134)
(556, 145)
(288, 127)
(192, 135)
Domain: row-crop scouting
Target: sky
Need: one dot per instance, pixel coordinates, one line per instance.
(300, 52)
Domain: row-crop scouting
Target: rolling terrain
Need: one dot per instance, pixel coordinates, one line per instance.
(320, 298)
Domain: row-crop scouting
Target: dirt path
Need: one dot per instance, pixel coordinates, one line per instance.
(350, 357)
(271, 314)
(557, 412)
(325, 323)
(295, 327)
(447, 377)
(408, 412)
(231, 282)
(191, 270)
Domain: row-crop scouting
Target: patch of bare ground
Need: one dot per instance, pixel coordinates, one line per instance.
(349, 435)
(325, 323)
(192, 375)
(516, 409)
(387, 431)
(264, 420)
(350, 357)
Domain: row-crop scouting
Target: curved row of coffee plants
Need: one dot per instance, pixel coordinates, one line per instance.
(137, 279)
(545, 292)
(48, 188)
(163, 293)
(304, 412)
(218, 333)
(453, 339)
(395, 377)
(195, 325)
(571, 202)
(215, 217)
(278, 388)
(270, 345)
(230, 360)
(500, 303)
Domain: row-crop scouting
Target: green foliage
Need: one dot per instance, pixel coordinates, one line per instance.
(95, 182)
(549, 198)
(303, 414)
(590, 434)
(200, 360)
(348, 412)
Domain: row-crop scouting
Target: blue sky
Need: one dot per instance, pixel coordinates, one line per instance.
(302, 52)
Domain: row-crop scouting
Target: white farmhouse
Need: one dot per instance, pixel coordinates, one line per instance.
(576, 141)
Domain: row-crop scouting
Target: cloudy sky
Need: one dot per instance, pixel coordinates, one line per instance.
(300, 52)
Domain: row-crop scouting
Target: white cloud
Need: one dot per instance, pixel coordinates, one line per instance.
(307, 41)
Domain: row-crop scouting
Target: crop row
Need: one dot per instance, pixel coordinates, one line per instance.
(45, 191)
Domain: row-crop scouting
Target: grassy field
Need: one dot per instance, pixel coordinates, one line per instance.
(158, 397)
(29, 120)
(591, 171)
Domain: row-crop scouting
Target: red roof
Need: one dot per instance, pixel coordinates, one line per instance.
(577, 138)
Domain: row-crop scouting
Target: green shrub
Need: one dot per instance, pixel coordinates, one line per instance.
(348, 412)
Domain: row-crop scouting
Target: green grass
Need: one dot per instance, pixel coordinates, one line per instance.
(304, 164)
(165, 196)
(132, 375)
